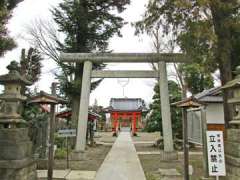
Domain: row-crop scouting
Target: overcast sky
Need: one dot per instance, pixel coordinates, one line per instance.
(29, 10)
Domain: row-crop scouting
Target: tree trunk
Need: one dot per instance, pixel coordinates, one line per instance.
(76, 98)
(226, 76)
(224, 48)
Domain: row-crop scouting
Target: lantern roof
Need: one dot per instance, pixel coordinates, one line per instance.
(68, 113)
(14, 76)
(235, 83)
(45, 98)
(188, 102)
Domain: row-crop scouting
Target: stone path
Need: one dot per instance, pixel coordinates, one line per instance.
(67, 175)
(122, 162)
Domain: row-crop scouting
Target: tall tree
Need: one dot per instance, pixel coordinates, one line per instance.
(31, 64)
(154, 121)
(6, 42)
(195, 78)
(87, 26)
(206, 30)
(30, 67)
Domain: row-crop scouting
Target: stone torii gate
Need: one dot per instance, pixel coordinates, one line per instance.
(89, 58)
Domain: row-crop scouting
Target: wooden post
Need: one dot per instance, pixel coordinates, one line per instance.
(67, 153)
(115, 124)
(134, 124)
(51, 136)
(185, 144)
(204, 141)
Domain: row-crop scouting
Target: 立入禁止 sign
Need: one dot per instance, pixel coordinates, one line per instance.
(216, 159)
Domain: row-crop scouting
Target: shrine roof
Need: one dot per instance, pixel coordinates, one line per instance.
(212, 95)
(127, 104)
(68, 113)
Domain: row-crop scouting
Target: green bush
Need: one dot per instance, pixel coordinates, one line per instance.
(61, 153)
(59, 141)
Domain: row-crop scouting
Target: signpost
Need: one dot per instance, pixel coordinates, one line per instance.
(216, 159)
(67, 133)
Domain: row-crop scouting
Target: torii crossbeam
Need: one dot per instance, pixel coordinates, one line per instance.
(124, 57)
(161, 58)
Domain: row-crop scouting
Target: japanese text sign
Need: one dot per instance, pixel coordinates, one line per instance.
(67, 133)
(216, 159)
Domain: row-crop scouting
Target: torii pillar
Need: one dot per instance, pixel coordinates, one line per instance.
(83, 111)
(168, 152)
(161, 58)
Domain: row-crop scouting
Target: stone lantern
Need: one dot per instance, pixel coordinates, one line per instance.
(234, 85)
(232, 143)
(16, 161)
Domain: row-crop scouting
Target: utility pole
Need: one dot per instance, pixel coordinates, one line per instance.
(51, 134)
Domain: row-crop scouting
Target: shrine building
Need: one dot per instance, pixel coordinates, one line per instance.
(126, 114)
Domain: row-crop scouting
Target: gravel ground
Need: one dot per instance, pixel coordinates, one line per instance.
(144, 136)
(94, 156)
(151, 162)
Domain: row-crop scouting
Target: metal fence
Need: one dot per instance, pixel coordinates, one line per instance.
(194, 126)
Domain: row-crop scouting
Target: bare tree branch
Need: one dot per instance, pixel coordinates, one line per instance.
(44, 36)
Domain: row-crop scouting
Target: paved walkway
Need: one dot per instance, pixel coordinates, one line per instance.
(122, 162)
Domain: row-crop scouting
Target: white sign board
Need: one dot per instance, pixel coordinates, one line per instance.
(67, 133)
(216, 159)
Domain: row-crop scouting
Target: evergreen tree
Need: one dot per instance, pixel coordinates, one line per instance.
(154, 121)
(206, 30)
(6, 42)
(196, 78)
(87, 26)
(30, 64)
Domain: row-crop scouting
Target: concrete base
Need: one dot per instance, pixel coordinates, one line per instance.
(232, 154)
(16, 161)
(26, 173)
(168, 156)
(78, 156)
